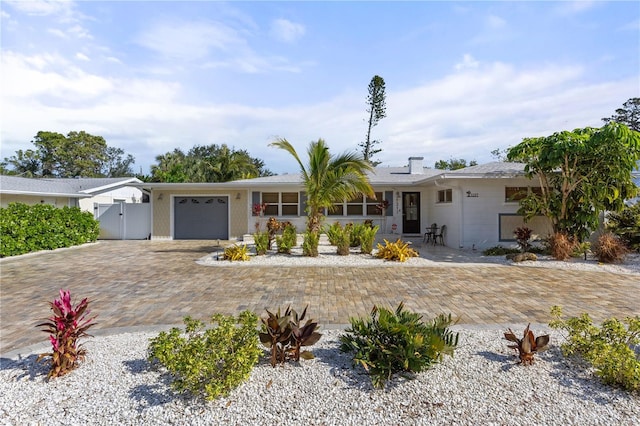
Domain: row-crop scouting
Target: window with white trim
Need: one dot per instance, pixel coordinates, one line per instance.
(358, 206)
(281, 203)
(445, 196)
(513, 194)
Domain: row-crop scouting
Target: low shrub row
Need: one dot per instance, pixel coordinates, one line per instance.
(25, 228)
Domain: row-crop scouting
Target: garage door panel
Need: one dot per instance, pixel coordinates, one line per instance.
(201, 218)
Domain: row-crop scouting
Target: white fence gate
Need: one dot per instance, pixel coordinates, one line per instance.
(124, 221)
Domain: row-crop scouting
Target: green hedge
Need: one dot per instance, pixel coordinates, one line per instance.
(25, 228)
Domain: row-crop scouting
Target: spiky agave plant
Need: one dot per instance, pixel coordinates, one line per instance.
(528, 345)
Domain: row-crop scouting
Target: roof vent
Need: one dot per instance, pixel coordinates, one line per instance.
(415, 165)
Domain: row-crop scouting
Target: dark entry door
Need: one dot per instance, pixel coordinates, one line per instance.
(410, 212)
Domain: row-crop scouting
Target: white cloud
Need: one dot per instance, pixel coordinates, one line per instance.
(57, 32)
(631, 26)
(82, 57)
(189, 40)
(495, 22)
(567, 8)
(468, 62)
(286, 31)
(41, 7)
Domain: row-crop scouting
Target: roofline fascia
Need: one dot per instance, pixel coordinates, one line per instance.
(103, 188)
(44, 194)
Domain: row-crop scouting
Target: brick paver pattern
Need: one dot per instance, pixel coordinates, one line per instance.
(145, 283)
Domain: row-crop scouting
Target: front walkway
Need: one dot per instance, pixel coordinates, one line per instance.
(146, 283)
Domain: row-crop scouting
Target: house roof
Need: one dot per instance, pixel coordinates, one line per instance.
(73, 188)
(496, 169)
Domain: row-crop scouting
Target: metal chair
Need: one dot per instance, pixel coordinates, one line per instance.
(431, 230)
(440, 236)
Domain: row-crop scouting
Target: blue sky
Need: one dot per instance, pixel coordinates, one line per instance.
(462, 78)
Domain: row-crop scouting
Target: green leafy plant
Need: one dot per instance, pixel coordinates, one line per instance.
(582, 249)
(261, 240)
(609, 249)
(389, 342)
(288, 239)
(499, 251)
(236, 253)
(212, 361)
(367, 237)
(355, 236)
(397, 251)
(310, 241)
(68, 324)
(25, 229)
(343, 239)
(528, 345)
(284, 334)
(610, 349)
(522, 257)
(523, 238)
(333, 231)
(626, 225)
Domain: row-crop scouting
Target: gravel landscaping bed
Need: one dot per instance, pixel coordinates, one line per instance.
(482, 384)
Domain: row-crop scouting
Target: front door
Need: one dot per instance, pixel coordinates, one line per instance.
(410, 212)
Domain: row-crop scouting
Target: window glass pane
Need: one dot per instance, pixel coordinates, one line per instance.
(536, 190)
(372, 210)
(337, 211)
(270, 197)
(356, 199)
(354, 209)
(445, 196)
(515, 193)
(290, 197)
(449, 195)
(376, 200)
(271, 210)
(289, 210)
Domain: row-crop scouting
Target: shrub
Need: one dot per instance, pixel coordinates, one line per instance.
(609, 348)
(288, 239)
(285, 335)
(209, 362)
(24, 228)
(397, 342)
(561, 246)
(261, 240)
(609, 249)
(356, 230)
(626, 225)
(582, 249)
(333, 231)
(273, 226)
(367, 238)
(343, 239)
(523, 238)
(500, 251)
(310, 241)
(398, 251)
(68, 324)
(528, 345)
(236, 253)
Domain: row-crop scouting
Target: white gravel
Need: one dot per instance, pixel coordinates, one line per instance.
(482, 384)
(438, 256)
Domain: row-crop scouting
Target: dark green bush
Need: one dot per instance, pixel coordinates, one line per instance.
(288, 239)
(397, 342)
(626, 224)
(500, 251)
(209, 362)
(25, 228)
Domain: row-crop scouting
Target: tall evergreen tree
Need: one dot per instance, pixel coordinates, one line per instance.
(629, 114)
(377, 109)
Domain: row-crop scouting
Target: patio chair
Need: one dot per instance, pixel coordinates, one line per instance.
(430, 232)
(440, 235)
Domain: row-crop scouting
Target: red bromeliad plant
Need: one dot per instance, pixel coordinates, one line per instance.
(65, 327)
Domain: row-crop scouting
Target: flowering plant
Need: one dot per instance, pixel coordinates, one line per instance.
(259, 208)
(65, 327)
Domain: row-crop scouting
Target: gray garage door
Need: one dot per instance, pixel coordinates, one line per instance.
(201, 218)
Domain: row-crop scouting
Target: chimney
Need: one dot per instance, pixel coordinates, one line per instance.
(415, 165)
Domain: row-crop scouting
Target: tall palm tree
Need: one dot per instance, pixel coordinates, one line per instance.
(329, 179)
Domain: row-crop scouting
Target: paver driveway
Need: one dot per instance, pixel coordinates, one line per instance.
(144, 283)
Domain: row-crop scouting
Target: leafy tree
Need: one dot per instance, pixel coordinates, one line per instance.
(581, 174)
(499, 154)
(377, 109)
(454, 164)
(328, 179)
(629, 114)
(211, 163)
(74, 155)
